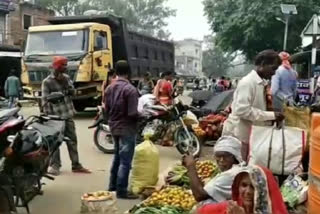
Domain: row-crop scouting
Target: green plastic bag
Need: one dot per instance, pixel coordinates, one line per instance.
(145, 170)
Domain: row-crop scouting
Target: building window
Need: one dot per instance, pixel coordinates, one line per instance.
(171, 57)
(136, 51)
(155, 55)
(27, 21)
(163, 56)
(197, 51)
(146, 53)
(196, 65)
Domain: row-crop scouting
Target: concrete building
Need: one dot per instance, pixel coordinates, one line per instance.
(16, 16)
(24, 15)
(188, 58)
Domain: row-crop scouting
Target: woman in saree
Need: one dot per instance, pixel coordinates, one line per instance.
(254, 191)
(164, 89)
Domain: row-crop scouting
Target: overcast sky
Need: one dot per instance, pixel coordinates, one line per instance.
(190, 21)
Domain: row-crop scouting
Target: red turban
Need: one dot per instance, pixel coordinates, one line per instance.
(58, 61)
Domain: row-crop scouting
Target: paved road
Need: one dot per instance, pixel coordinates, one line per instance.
(62, 196)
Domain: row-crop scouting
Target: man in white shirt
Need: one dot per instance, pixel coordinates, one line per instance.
(249, 106)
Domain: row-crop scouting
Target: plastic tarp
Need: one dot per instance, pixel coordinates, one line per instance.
(219, 101)
(200, 95)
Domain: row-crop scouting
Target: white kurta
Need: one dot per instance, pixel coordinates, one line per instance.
(248, 107)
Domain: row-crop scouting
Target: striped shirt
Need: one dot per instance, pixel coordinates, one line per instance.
(63, 109)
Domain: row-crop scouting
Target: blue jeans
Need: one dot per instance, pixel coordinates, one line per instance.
(121, 166)
(12, 101)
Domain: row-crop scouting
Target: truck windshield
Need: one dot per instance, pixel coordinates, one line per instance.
(56, 42)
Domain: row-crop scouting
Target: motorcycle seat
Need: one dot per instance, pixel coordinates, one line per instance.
(7, 113)
(10, 124)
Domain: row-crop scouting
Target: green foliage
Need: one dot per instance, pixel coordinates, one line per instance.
(61, 7)
(145, 16)
(250, 26)
(216, 61)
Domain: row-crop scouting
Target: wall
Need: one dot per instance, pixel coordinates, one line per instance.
(2, 27)
(16, 33)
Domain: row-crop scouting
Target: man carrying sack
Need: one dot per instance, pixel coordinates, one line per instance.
(249, 106)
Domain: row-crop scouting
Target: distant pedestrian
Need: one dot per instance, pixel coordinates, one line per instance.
(179, 87)
(146, 85)
(221, 86)
(59, 81)
(284, 84)
(121, 101)
(164, 89)
(213, 86)
(229, 83)
(12, 88)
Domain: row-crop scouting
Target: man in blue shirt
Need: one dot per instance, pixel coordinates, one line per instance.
(284, 84)
(121, 102)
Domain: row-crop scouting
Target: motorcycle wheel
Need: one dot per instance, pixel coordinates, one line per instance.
(4, 203)
(103, 140)
(181, 136)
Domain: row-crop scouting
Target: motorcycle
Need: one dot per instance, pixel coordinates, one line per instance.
(184, 137)
(185, 140)
(6, 194)
(102, 135)
(28, 152)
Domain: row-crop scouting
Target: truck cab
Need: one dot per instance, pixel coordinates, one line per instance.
(88, 48)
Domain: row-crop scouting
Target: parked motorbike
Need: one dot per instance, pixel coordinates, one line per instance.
(184, 138)
(6, 194)
(102, 136)
(28, 152)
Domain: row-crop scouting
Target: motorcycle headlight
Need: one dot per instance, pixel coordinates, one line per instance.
(36, 94)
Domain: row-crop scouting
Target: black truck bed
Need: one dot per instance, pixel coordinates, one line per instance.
(144, 53)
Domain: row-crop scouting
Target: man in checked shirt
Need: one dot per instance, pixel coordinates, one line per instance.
(59, 81)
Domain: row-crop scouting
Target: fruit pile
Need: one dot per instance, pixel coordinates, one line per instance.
(213, 125)
(206, 169)
(97, 196)
(198, 131)
(171, 196)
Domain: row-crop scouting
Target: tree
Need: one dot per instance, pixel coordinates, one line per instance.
(215, 62)
(61, 7)
(145, 16)
(250, 26)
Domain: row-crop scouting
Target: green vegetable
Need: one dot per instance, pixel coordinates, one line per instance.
(290, 195)
(160, 210)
